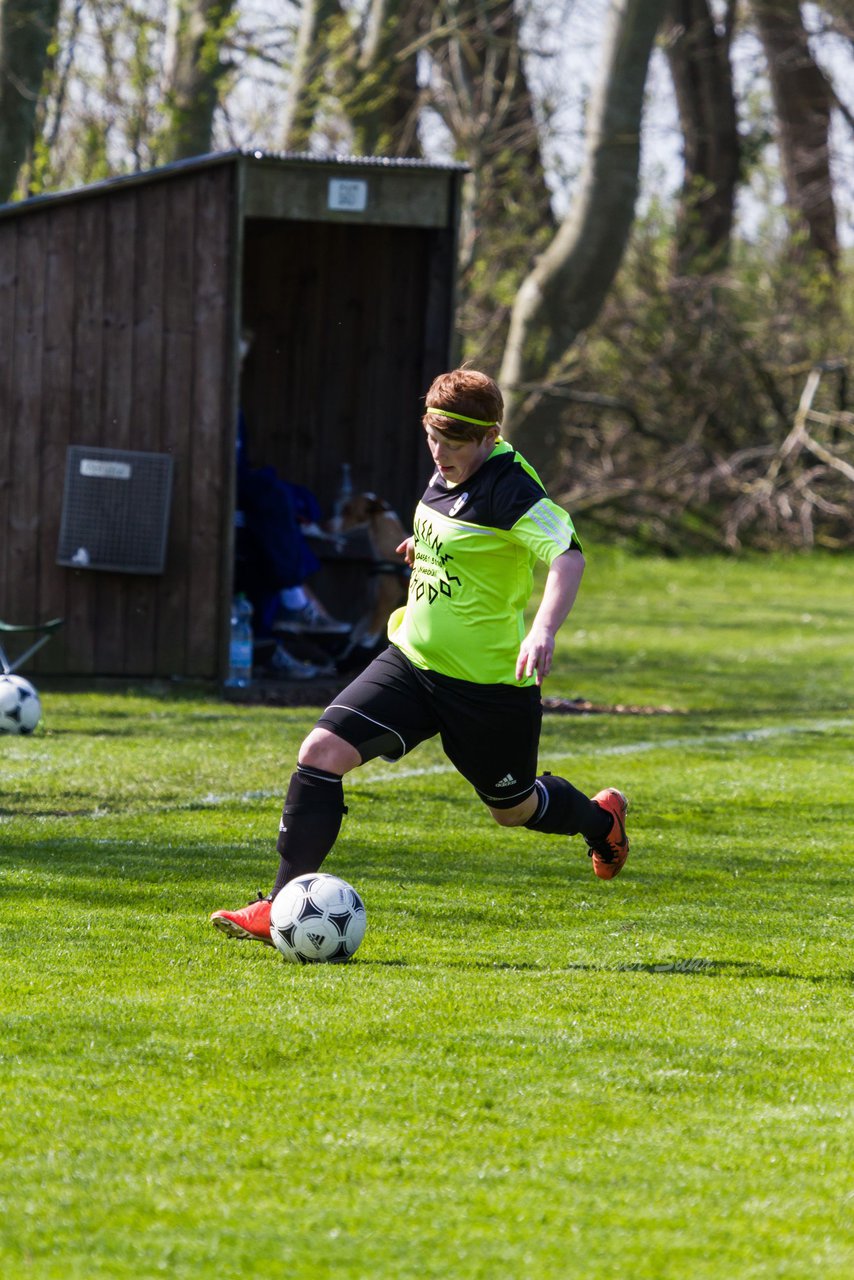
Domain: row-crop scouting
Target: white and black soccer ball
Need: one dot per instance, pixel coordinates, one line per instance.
(317, 919)
(20, 708)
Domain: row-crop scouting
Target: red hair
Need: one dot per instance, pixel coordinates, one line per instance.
(471, 395)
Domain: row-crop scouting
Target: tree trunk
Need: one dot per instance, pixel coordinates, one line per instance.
(195, 33)
(383, 101)
(307, 79)
(802, 104)
(27, 29)
(562, 295)
(698, 55)
(481, 91)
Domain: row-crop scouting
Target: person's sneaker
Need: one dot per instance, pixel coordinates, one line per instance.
(284, 666)
(311, 619)
(251, 922)
(610, 852)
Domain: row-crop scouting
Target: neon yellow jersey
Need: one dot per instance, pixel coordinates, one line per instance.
(476, 544)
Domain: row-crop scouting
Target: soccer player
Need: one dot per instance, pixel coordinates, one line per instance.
(460, 663)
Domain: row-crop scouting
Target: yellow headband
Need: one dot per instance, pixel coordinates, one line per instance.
(460, 417)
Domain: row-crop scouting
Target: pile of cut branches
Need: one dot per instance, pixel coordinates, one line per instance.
(793, 492)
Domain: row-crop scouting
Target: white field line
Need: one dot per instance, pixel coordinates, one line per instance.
(367, 778)
(660, 744)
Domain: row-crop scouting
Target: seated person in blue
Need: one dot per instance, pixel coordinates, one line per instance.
(273, 558)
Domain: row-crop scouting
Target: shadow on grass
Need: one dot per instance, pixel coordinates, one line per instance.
(729, 968)
(694, 967)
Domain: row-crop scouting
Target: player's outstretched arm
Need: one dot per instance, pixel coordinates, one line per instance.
(537, 649)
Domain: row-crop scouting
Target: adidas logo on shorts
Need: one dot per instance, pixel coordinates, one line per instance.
(507, 781)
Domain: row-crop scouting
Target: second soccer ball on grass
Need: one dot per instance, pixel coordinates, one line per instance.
(20, 708)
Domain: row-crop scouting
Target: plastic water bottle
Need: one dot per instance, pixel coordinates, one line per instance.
(345, 493)
(240, 648)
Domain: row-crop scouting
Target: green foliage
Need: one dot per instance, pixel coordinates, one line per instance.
(221, 24)
(40, 168)
(93, 151)
(525, 1071)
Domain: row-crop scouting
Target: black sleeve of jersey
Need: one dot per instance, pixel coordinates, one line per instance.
(512, 494)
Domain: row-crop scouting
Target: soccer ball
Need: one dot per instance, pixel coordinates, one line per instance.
(20, 709)
(317, 918)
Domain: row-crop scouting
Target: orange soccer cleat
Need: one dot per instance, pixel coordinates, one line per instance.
(610, 852)
(252, 922)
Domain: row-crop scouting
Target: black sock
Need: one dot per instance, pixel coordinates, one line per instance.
(565, 811)
(311, 820)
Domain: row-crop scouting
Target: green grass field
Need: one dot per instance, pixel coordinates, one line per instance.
(525, 1072)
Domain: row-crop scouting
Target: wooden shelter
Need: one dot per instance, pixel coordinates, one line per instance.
(121, 310)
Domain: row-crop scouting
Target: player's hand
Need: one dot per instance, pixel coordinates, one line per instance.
(535, 654)
(407, 550)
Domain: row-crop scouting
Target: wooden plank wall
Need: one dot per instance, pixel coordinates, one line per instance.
(350, 326)
(116, 330)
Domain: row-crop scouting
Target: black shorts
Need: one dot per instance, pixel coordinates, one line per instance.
(489, 732)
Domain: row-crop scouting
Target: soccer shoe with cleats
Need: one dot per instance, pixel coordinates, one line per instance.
(252, 922)
(610, 852)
